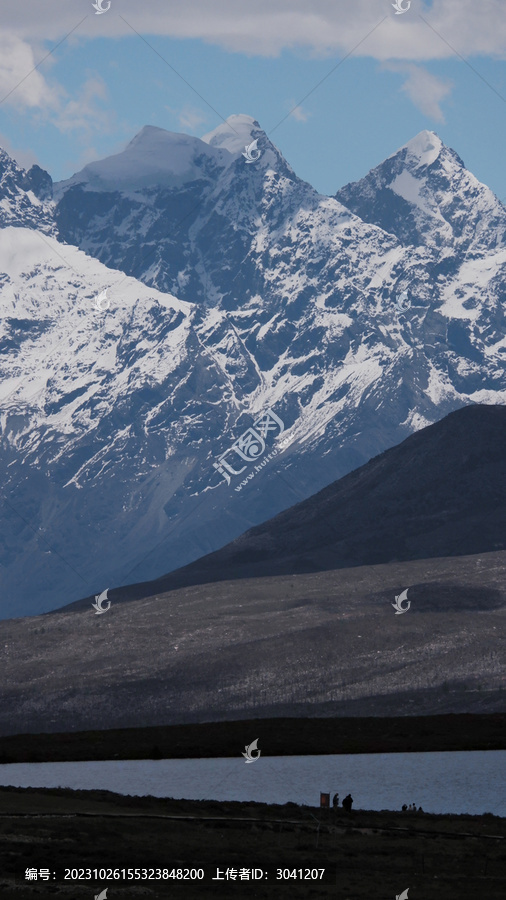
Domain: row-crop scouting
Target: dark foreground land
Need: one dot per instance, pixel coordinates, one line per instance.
(364, 854)
(277, 737)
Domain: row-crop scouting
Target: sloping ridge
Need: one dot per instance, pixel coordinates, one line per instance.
(440, 493)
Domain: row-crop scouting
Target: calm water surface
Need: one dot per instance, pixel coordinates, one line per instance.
(457, 782)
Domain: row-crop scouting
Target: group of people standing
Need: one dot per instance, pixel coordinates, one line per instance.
(347, 802)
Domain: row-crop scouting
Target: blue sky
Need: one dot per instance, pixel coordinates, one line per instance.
(103, 83)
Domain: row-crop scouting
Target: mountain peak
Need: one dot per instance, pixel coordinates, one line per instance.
(23, 195)
(423, 149)
(153, 157)
(424, 194)
(148, 130)
(234, 134)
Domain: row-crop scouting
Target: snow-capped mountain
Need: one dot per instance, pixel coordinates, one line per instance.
(25, 196)
(425, 196)
(73, 371)
(114, 420)
(193, 227)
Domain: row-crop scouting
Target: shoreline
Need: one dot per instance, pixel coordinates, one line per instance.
(277, 736)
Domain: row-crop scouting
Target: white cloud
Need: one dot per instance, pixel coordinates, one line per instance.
(297, 112)
(20, 85)
(366, 28)
(84, 114)
(190, 118)
(25, 87)
(267, 27)
(425, 90)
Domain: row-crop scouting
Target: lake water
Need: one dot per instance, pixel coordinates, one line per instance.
(457, 782)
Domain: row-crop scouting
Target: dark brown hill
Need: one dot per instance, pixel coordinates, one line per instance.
(440, 493)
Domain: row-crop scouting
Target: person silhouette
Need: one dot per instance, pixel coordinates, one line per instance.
(347, 802)
(335, 801)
